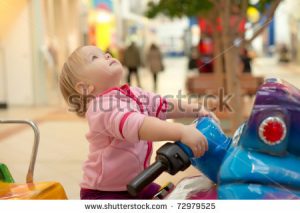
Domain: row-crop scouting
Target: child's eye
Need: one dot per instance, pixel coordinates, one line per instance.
(94, 57)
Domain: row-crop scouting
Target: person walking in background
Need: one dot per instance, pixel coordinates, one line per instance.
(284, 54)
(193, 62)
(246, 61)
(154, 61)
(132, 60)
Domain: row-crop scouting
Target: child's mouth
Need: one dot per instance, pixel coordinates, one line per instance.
(112, 62)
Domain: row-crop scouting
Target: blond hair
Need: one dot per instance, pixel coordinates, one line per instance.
(69, 77)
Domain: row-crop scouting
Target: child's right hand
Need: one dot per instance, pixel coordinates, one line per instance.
(194, 139)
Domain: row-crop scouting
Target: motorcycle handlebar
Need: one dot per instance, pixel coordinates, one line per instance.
(146, 177)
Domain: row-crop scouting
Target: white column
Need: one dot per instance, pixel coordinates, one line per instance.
(38, 40)
(3, 85)
(118, 11)
(18, 60)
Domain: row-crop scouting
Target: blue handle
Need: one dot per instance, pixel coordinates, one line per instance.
(218, 144)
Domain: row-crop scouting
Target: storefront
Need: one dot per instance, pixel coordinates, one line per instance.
(101, 24)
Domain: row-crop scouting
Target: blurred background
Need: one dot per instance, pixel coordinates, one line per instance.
(200, 46)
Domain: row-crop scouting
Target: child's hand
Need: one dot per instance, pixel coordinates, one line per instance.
(203, 112)
(194, 139)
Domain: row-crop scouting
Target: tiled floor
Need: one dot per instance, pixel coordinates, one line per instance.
(63, 146)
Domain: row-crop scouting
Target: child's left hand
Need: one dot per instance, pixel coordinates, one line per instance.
(205, 113)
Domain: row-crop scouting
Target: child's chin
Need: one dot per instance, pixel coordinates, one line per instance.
(118, 69)
(118, 73)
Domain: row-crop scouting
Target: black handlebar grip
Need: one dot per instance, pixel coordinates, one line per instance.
(146, 177)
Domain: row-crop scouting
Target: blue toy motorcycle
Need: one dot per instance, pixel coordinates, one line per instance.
(261, 161)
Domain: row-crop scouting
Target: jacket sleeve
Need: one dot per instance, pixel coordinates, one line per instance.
(156, 105)
(115, 119)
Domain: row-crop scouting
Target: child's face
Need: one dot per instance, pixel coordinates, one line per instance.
(101, 69)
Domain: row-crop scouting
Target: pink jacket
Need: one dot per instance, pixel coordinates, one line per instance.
(116, 155)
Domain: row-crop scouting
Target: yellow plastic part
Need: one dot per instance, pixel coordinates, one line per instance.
(32, 191)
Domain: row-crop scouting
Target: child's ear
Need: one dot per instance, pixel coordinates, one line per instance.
(84, 89)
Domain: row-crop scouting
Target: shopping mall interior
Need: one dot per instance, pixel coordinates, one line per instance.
(37, 36)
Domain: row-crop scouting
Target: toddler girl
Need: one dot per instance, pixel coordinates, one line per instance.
(123, 122)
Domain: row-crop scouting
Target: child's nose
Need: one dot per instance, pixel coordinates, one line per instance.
(107, 56)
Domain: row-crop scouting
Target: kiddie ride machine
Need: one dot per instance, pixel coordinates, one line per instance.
(261, 161)
(29, 190)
